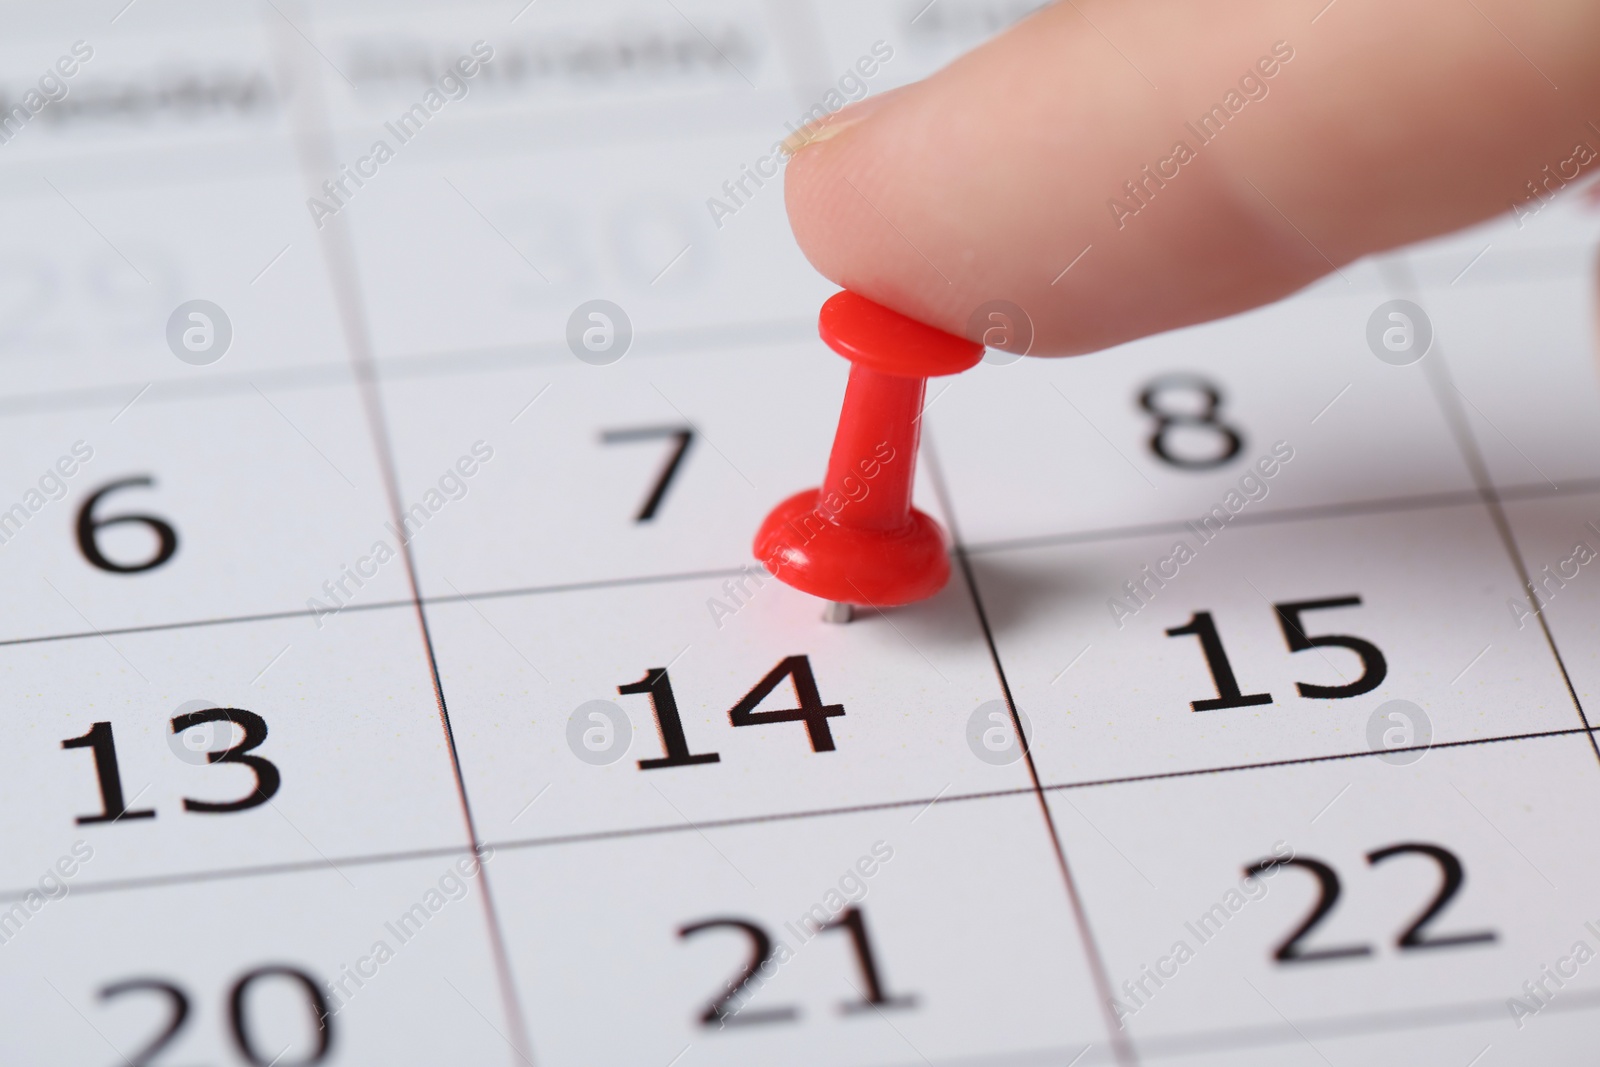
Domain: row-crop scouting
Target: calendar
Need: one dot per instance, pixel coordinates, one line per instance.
(390, 394)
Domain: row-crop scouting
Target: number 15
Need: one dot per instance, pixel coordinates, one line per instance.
(1200, 625)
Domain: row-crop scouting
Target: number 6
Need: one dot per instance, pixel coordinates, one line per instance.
(89, 528)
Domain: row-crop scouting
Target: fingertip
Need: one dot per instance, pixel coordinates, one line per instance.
(860, 196)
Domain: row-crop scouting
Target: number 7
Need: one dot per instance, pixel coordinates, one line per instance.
(684, 435)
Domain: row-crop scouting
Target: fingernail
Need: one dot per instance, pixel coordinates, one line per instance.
(831, 126)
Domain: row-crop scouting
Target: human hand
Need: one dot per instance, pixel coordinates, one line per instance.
(1330, 132)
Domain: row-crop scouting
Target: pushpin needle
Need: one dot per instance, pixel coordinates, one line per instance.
(857, 540)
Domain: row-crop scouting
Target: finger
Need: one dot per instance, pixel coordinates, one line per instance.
(1120, 168)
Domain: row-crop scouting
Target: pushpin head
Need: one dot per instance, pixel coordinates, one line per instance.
(858, 540)
(872, 567)
(871, 335)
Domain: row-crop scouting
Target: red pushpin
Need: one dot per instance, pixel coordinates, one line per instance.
(857, 540)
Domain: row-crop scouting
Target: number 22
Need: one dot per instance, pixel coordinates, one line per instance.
(1414, 937)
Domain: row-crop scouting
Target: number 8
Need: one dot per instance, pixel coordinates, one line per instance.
(1231, 442)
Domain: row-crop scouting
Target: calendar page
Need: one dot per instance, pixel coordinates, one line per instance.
(390, 393)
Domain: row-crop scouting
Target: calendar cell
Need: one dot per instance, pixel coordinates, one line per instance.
(684, 245)
(870, 938)
(511, 252)
(1532, 430)
(1378, 889)
(363, 964)
(1268, 642)
(158, 509)
(226, 746)
(655, 465)
(1166, 429)
(732, 701)
(97, 275)
(162, 172)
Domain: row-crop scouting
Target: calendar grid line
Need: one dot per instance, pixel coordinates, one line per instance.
(1194, 772)
(314, 149)
(344, 273)
(176, 390)
(1448, 397)
(666, 343)
(1311, 513)
(1057, 1056)
(1308, 513)
(1433, 1016)
(1121, 1045)
(1508, 537)
(385, 605)
(1240, 1038)
(661, 829)
(262, 870)
(918, 802)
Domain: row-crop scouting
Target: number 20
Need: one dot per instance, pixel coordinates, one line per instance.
(238, 1015)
